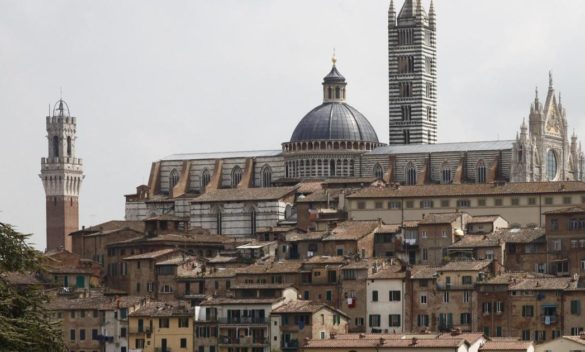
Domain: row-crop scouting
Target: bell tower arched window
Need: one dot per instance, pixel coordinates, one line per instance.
(173, 179)
(378, 171)
(480, 172)
(337, 92)
(266, 176)
(410, 174)
(55, 146)
(69, 146)
(236, 176)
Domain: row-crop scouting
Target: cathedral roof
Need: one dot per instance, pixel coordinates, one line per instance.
(334, 120)
(443, 147)
(223, 155)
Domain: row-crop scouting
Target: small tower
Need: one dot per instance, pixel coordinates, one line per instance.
(412, 69)
(62, 174)
(334, 85)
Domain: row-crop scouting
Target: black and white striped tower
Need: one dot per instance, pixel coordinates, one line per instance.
(412, 68)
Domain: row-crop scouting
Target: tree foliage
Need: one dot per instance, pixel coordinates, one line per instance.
(25, 324)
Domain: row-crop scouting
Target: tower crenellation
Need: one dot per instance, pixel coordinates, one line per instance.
(62, 175)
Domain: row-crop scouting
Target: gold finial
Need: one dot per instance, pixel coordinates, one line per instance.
(333, 58)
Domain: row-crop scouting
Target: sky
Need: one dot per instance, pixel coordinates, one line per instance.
(146, 79)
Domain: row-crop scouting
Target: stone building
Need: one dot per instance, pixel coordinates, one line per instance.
(61, 173)
(565, 235)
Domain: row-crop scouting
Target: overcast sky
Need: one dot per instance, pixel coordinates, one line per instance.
(147, 79)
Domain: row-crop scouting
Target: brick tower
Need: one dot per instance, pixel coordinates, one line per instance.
(62, 174)
(412, 68)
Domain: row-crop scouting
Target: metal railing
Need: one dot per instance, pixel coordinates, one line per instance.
(243, 320)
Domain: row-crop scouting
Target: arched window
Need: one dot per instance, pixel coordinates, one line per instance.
(378, 171)
(480, 172)
(69, 146)
(236, 176)
(56, 146)
(173, 179)
(205, 179)
(337, 93)
(266, 176)
(253, 222)
(329, 93)
(551, 165)
(410, 174)
(218, 219)
(332, 167)
(445, 173)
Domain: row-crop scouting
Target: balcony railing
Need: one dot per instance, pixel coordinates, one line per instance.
(243, 321)
(447, 287)
(243, 341)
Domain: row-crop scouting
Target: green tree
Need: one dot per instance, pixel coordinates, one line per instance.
(24, 321)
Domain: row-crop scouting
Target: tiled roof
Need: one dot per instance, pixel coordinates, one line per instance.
(309, 187)
(576, 339)
(17, 278)
(187, 238)
(162, 309)
(266, 286)
(410, 223)
(326, 259)
(389, 272)
(440, 218)
(352, 230)
(240, 194)
(506, 346)
(224, 155)
(298, 236)
(570, 210)
(423, 271)
(113, 225)
(223, 272)
(382, 342)
(282, 267)
(393, 228)
(541, 284)
(151, 255)
(216, 301)
(322, 196)
(468, 189)
(465, 265)
(519, 235)
(512, 277)
(475, 241)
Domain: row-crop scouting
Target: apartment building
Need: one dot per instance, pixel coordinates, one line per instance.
(387, 292)
(565, 234)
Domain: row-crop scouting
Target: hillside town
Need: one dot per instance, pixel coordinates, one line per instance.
(335, 242)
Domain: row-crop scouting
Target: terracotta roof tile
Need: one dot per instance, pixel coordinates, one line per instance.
(162, 309)
(465, 265)
(540, 284)
(506, 346)
(440, 218)
(352, 230)
(423, 272)
(152, 255)
(569, 210)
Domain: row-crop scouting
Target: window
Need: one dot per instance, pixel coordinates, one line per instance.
(481, 202)
(428, 60)
(463, 203)
(361, 205)
(527, 311)
(183, 343)
(575, 307)
(183, 322)
(426, 204)
(405, 36)
(410, 174)
(394, 296)
(205, 179)
(423, 234)
(515, 201)
(423, 299)
(405, 64)
(374, 320)
(486, 330)
(405, 89)
(499, 307)
(394, 204)
(394, 320)
(123, 332)
(425, 254)
(429, 90)
(173, 179)
(378, 205)
(55, 146)
(375, 296)
(526, 335)
(422, 320)
(480, 171)
(531, 201)
(139, 343)
(466, 280)
(567, 200)
(94, 334)
(486, 308)
(548, 200)
(539, 335)
(556, 245)
(446, 297)
(72, 334)
(266, 176)
(72, 314)
(554, 224)
(405, 112)
(81, 334)
(336, 319)
(329, 296)
(406, 136)
(123, 313)
(409, 204)
(140, 325)
(498, 202)
(465, 318)
(378, 171)
(466, 296)
(429, 115)
(445, 203)
(551, 165)
(576, 331)
(236, 176)
(163, 322)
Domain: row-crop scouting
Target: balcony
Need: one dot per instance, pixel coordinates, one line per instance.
(292, 344)
(244, 321)
(243, 341)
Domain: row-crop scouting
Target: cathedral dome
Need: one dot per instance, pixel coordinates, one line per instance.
(334, 121)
